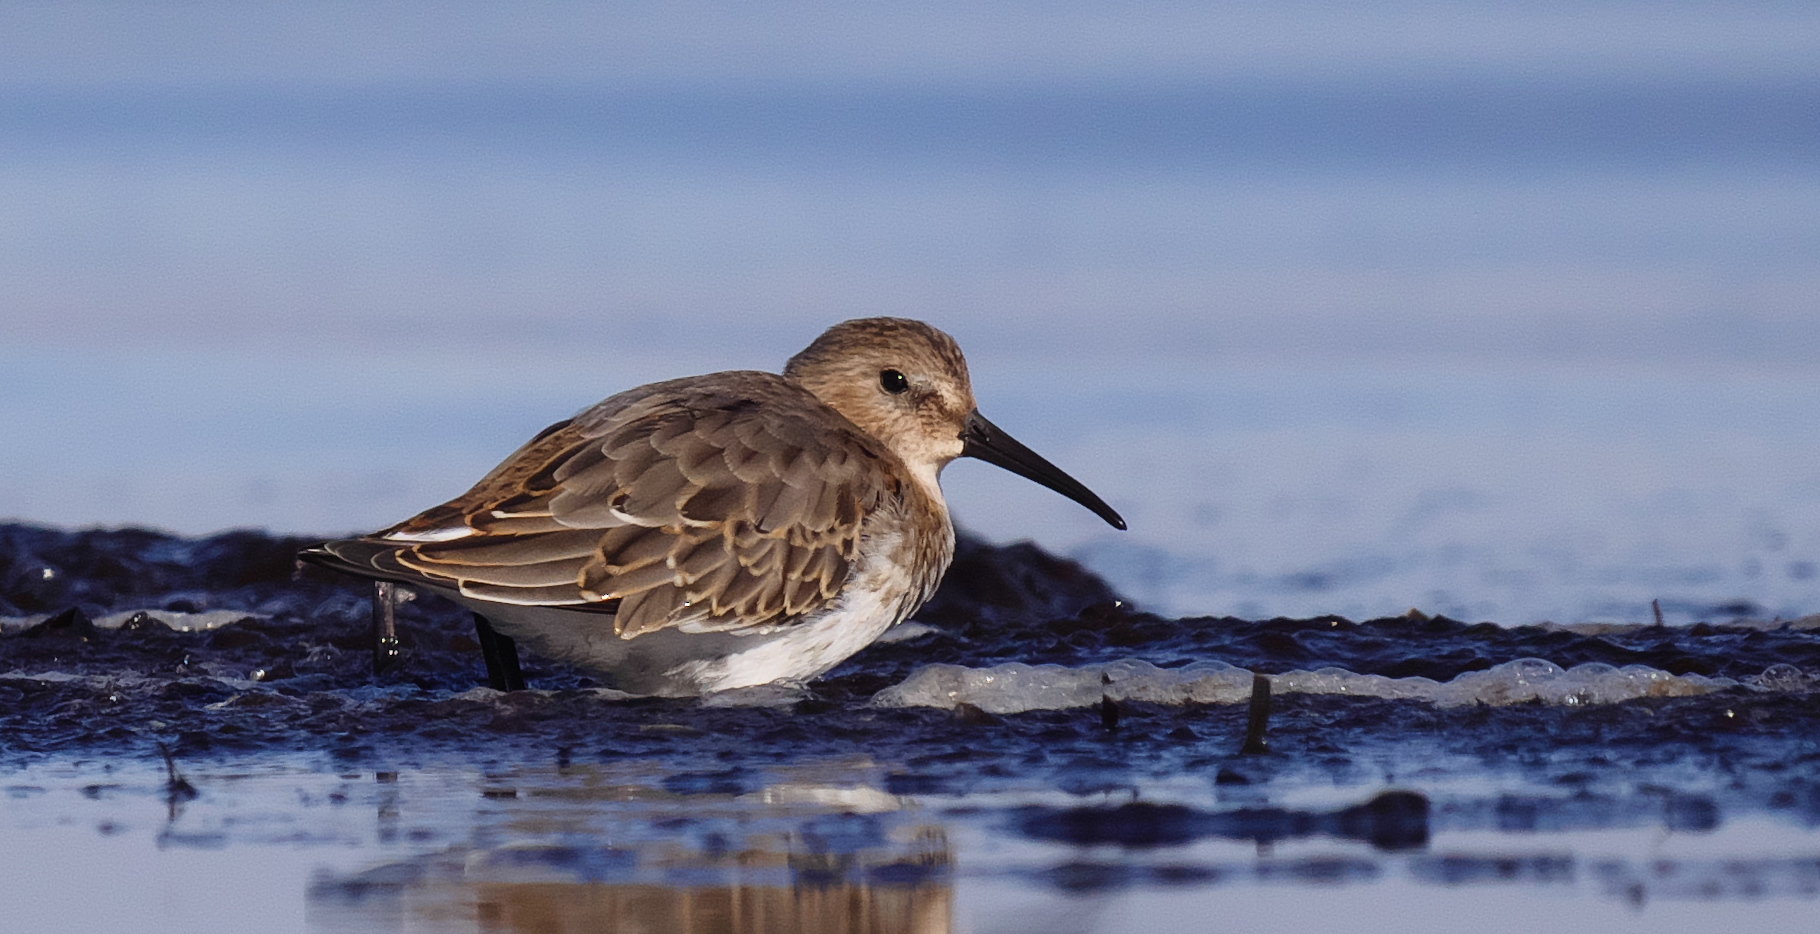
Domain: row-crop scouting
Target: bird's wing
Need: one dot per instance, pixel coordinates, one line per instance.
(713, 503)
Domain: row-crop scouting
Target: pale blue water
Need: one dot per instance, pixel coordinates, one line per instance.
(1515, 494)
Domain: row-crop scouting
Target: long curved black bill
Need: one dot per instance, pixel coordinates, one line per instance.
(989, 443)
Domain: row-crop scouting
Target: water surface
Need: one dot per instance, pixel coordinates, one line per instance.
(212, 727)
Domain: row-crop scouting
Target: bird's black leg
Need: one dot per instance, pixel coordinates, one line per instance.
(501, 653)
(385, 626)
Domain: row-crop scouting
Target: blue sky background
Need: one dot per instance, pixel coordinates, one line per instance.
(1540, 278)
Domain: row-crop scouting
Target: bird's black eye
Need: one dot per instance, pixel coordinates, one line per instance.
(893, 381)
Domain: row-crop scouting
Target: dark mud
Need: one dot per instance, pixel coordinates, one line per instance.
(294, 678)
(306, 642)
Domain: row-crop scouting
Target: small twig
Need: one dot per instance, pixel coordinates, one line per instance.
(1259, 718)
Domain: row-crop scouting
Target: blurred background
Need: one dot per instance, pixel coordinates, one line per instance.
(1507, 311)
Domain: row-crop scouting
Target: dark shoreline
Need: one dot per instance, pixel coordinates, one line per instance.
(294, 677)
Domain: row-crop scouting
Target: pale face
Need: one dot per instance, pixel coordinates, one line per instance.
(903, 382)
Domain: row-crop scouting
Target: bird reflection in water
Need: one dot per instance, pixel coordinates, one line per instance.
(845, 907)
(547, 890)
(786, 858)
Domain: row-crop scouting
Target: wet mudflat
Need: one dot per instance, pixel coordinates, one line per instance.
(192, 738)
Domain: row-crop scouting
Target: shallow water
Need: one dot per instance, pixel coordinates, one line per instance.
(832, 846)
(305, 793)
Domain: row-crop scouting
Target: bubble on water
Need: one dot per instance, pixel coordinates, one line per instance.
(1784, 678)
(1016, 687)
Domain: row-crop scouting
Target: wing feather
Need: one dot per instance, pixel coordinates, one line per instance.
(656, 496)
(722, 500)
(557, 595)
(517, 549)
(712, 588)
(559, 573)
(729, 502)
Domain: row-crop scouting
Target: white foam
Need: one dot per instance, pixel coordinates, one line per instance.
(1016, 687)
(180, 621)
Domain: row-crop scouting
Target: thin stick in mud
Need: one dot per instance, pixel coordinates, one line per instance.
(1258, 719)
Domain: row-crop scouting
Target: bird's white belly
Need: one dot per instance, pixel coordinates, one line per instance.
(799, 652)
(677, 663)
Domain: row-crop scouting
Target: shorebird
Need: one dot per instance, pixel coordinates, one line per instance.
(719, 531)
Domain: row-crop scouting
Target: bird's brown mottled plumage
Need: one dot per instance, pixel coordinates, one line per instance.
(725, 502)
(741, 503)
